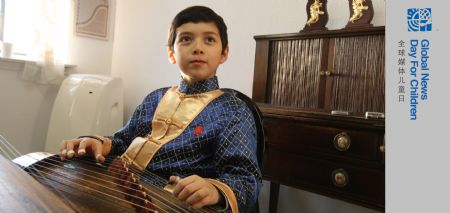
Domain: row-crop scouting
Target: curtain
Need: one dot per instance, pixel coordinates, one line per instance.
(50, 39)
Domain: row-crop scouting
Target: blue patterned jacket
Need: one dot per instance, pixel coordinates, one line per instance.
(224, 150)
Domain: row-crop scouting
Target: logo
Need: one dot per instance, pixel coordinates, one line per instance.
(419, 19)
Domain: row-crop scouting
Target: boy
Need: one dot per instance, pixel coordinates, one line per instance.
(194, 134)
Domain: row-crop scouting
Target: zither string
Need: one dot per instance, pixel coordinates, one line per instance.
(38, 173)
(33, 171)
(151, 177)
(15, 153)
(155, 179)
(153, 194)
(9, 149)
(98, 191)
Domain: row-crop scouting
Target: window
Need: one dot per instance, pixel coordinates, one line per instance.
(31, 24)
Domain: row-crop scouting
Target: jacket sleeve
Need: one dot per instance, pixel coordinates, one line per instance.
(236, 158)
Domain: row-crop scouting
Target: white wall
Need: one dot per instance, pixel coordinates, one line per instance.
(140, 58)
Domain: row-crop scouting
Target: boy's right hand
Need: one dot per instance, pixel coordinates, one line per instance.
(84, 146)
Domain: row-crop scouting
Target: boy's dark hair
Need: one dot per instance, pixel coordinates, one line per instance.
(197, 14)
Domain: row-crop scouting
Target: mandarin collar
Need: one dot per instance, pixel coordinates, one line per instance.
(199, 86)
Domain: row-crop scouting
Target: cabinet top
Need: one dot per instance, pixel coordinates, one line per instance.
(312, 115)
(324, 33)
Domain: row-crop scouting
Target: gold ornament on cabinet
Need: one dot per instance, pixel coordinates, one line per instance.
(361, 13)
(317, 15)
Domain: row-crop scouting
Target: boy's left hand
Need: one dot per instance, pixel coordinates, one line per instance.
(196, 191)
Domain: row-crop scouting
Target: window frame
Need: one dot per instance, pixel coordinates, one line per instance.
(2, 18)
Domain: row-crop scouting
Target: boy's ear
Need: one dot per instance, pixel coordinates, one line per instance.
(224, 55)
(171, 56)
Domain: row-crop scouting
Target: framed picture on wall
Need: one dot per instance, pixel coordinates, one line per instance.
(91, 18)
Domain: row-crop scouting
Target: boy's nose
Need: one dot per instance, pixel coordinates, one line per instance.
(198, 48)
(198, 51)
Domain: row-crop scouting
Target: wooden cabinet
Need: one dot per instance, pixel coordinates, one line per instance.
(298, 80)
(330, 70)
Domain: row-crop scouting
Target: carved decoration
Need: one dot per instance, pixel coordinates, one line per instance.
(361, 13)
(317, 15)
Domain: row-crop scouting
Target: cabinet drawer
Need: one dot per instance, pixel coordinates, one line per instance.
(351, 183)
(314, 139)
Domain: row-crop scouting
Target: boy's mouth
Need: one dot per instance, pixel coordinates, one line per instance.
(198, 62)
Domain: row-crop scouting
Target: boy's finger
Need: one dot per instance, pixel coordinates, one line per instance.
(70, 146)
(197, 197)
(188, 189)
(174, 179)
(181, 185)
(98, 151)
(63, 150)
(82, 148)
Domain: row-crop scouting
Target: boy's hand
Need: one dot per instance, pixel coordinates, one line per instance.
(196, 191)
(84, 146)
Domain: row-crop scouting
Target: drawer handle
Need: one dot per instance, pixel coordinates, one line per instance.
(327, 73)
(339, 177)
(382, 148)
(342, 141)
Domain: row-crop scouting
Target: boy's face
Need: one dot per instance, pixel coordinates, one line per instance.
(197, 51)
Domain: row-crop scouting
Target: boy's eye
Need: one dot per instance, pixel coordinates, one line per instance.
(185, 39)
(210, 39)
